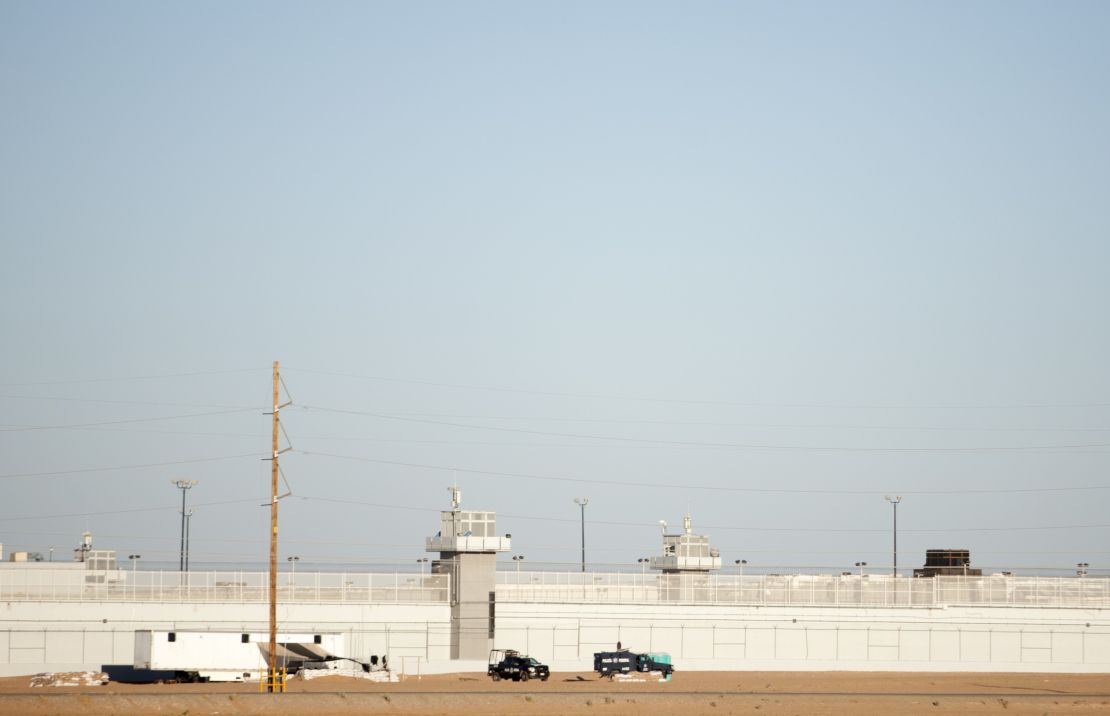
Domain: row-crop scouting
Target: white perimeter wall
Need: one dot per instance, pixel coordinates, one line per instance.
(57, 636)
(815, 638)
(61, 636)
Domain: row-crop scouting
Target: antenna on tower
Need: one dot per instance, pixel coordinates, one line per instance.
(456, 497)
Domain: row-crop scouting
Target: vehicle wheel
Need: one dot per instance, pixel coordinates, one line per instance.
(516, 677)
(495, 676)
(524, 676)
(544, 677)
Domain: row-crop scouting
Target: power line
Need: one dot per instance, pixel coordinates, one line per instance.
(129, 402)
(605, 421)
(253, 436)
(127, 378)
(126, 467)
(98, 513)
(123, 422)
(741, 446)
(731, 528)
(733, 424)
(688, 486)
(641, 399)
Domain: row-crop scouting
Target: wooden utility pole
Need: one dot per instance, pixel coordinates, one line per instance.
(272, 677)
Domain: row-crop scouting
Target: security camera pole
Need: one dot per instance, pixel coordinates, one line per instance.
(185, 486)
(894, 503)
(582, 502)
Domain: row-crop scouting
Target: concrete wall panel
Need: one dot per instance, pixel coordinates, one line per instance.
(761, 643)
(730, 642)
(1005, 646)
(1036, 647)
(667, 638)
(598, 637)
(635, 637)
(512, 637)
(1067, 647)
(820, 644)
(565, 646)
(882, 644)
(27, 657)
(698, 642)
(1096, 648)
(539, 642)
(944, 645)
(913, 644)
(100, 642)
(28, 639)
(851, 645)
(790, 643)
(1034, 639)
(975, 645)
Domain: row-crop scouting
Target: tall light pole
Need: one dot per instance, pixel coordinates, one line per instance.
(293, 565)
(518, 558)
(740, 566)
(1081, 569)
(894, 503)
(861, 565)
(134, 562)
(422, 561)
(184, 486)
(644, 561)
(582, 502)
(188, 526)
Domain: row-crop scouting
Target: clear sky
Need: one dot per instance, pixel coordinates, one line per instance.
(765, 262)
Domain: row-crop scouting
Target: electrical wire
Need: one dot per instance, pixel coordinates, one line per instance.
(133, 377)
(687, 486)
(719, 424)
(75, 471)
(128, 402)
(98, 513)
(740, 446)
(730, 528)
(124, 422)
(640, 399)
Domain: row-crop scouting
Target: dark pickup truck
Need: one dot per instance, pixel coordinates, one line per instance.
(511, 664)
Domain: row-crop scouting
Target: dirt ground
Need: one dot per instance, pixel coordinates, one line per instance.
(578, 694)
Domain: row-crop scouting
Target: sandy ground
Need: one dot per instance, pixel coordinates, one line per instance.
(774, 694)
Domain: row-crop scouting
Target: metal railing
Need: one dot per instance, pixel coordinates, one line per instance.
(124, 585)
(803, 590)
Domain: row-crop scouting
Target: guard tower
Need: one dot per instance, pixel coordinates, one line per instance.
(686, 562)
(468, 544)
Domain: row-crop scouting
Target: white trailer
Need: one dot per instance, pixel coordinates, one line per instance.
(229, 656)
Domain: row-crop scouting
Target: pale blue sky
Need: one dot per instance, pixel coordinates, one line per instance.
(877, 229)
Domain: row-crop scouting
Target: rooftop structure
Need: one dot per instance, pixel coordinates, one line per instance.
(467, 532)
(947, 562)
(686, 552)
